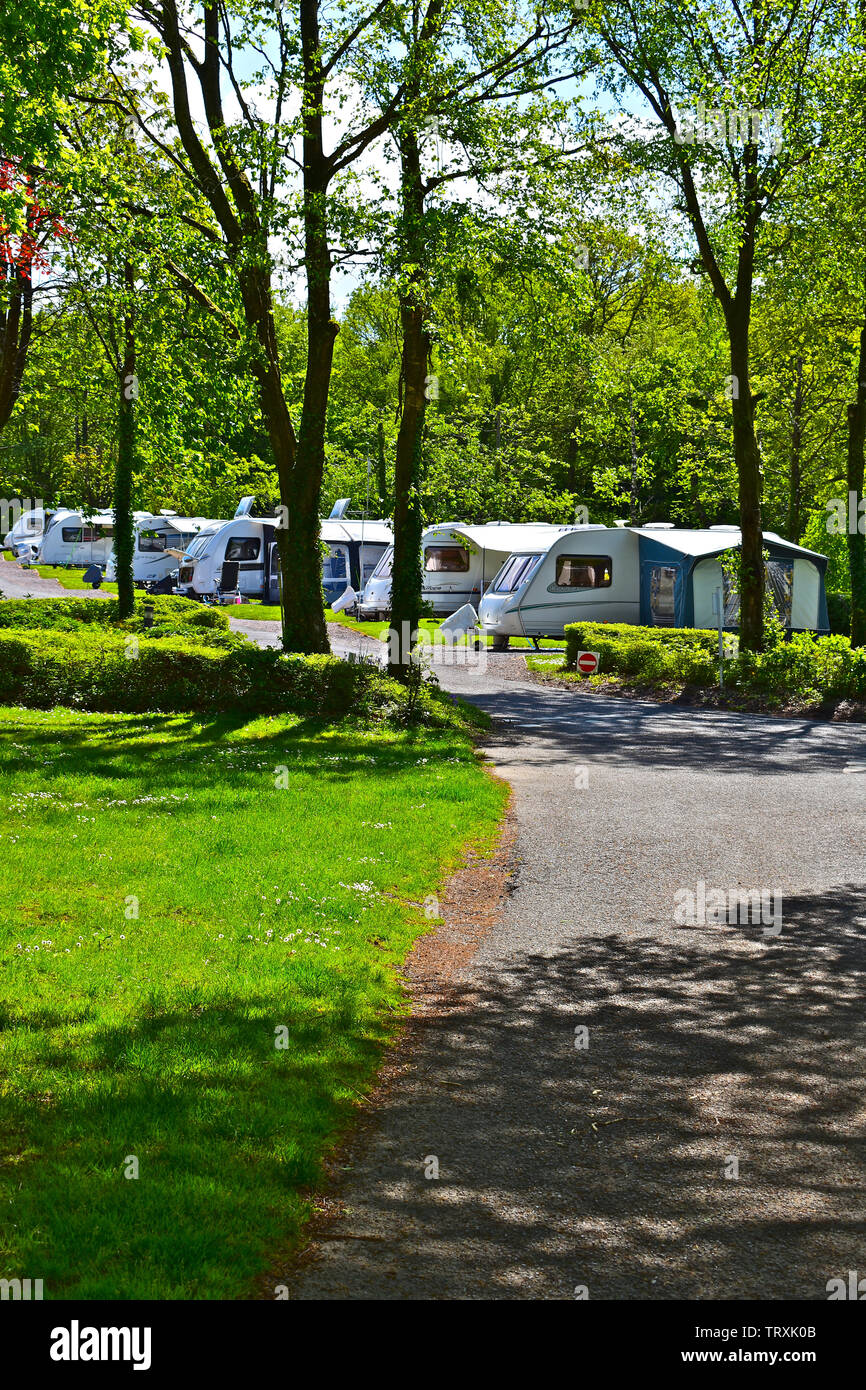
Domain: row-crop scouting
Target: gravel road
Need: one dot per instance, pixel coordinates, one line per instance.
(711, 1049)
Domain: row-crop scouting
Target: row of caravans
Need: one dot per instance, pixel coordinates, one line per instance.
(530, 581)
(63, 537)
(522, 580)
(197, 548)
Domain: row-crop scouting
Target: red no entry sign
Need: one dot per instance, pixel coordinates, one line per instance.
(587, 662)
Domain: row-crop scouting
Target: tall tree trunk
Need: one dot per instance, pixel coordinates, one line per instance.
(124, 531)
(855, 476)
(16, 326)
(749, 475)
(795, 489)
(303, 604)
(408, 519)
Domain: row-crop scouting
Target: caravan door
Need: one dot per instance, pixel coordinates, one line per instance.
(335, 573)
(247, 550)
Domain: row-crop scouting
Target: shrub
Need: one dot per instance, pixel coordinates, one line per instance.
(812, 667)
(67, 614)
(647, 653)
(815, 667)
(839, 613)
(92, 669)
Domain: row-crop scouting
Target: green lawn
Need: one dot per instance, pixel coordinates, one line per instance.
(70, 578)
(152, 1036)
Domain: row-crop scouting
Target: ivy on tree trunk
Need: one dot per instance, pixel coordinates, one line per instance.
(124, 531)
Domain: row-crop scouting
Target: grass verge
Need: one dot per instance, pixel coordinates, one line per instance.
(177, 891)
(70, 578)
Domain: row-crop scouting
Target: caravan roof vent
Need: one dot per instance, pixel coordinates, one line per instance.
(244, 507)
(723, 528)
(658, 526)
(339, 509)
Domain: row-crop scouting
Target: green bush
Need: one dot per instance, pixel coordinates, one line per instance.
(67, 614)
(96, 668)
(839, 613)
(812, 667)
(646, 653)
(815, 667)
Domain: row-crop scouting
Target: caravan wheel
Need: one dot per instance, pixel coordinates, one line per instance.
(500, 644)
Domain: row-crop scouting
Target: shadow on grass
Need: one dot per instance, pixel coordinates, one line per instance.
(226, 1131)
(100, 746)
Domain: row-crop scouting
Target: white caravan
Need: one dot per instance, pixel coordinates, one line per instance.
(160, 543)
(458, 563)
(354, 547)
(73, 538)
(374, 603)
(655, 575)
(247, 540)
(26, 532)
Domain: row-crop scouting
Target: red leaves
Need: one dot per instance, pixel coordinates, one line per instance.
(22, 249)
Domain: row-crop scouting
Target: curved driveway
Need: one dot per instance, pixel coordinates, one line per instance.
(712, 1051)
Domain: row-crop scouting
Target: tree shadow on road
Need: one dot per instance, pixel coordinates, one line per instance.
(605, 1166)
(643, 734)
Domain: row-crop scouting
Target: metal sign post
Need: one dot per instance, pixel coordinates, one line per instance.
(719, 610)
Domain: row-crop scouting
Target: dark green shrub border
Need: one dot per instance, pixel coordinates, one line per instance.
(100, 669)
(808, 666)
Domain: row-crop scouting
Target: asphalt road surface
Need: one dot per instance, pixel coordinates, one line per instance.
(707, 1140)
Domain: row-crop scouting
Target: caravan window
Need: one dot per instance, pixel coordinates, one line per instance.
(584, 571)
(336, 566)
(383, 569)
(74, 535)
(151, 540)
(515, 573)
(199, 543)
(243, 548)
(446, 559)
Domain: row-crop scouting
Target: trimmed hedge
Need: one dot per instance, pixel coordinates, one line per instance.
(67, 614)
(94, 670)
(808, 666)
(649, 653)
